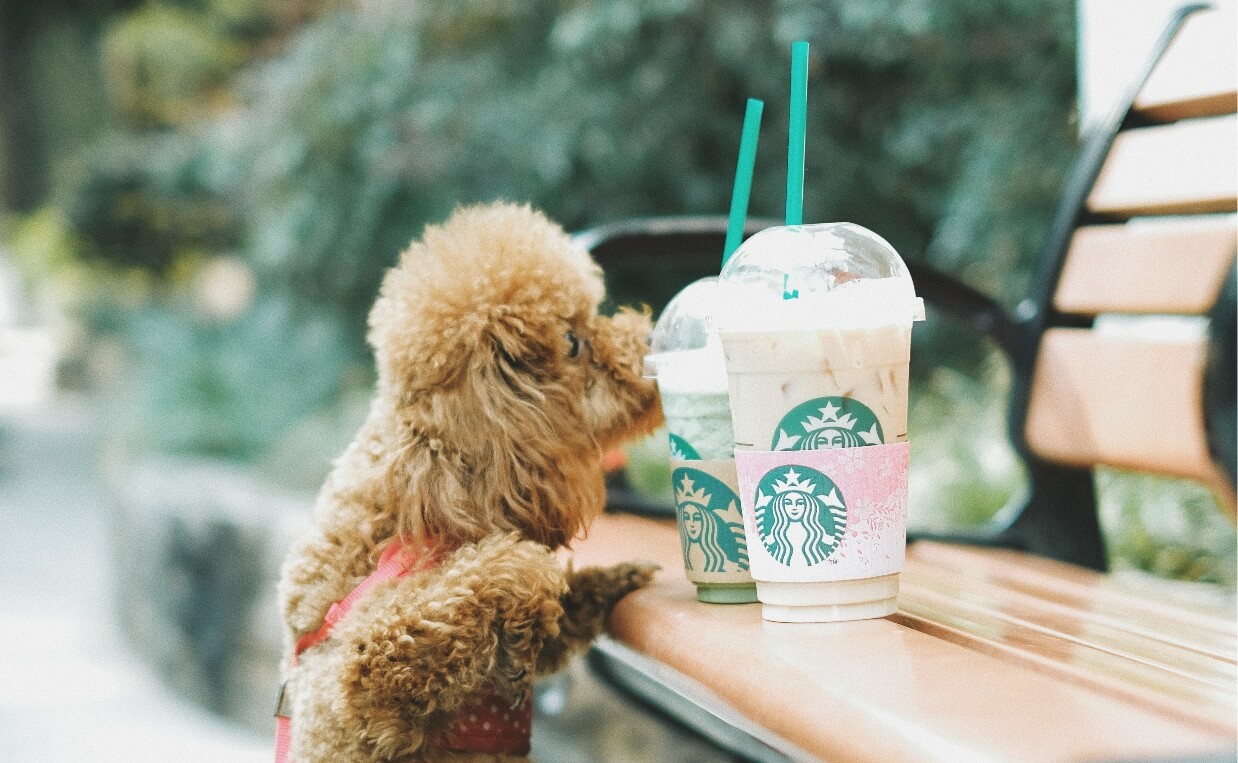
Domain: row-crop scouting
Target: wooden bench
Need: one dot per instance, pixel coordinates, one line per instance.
(1012, 648)
(992, 655)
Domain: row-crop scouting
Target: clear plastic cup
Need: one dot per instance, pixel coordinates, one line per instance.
(687, 362)
(817, 340)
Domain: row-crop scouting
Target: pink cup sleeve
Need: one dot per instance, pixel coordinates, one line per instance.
(825, 515)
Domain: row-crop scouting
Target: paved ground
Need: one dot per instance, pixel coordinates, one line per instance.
(69, 689)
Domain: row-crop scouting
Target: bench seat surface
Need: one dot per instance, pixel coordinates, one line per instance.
(992, 655)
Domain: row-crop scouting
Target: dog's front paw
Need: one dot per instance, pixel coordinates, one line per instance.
(607, 585)
(592, 593)
(629, 576)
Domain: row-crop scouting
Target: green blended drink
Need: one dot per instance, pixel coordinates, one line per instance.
(699, 423)
(688, 364)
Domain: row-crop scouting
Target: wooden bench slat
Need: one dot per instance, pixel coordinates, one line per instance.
(1074, 626)
(1082, 647)
(886, 689)
(1071, 659)
(1104, 596)
(1172, 265)
(1186, 167)
(1198, 75)
(1120, 401)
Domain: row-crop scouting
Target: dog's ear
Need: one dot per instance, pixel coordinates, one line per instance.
(509, 455)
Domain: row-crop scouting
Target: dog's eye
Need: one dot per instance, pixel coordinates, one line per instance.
(574, 345)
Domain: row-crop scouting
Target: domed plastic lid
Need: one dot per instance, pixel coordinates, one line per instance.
(685, 342)
(814, 276)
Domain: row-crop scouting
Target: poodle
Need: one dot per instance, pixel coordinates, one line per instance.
(499, 389)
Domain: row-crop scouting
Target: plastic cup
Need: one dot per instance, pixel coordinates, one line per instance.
(687, 362)
(816, 345)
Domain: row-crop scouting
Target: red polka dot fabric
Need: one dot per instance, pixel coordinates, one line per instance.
(490, 724)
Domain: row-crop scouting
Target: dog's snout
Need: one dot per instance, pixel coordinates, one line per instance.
(626, 402)
(623, 342)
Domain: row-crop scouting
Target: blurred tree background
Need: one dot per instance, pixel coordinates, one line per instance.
(215, 186)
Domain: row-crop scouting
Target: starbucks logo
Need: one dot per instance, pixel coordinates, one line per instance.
(682, 450)
(800, 515)
(711, 527)
(828, 422)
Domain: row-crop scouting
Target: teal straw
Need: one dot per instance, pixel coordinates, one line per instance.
(743, 178)
(795, 136)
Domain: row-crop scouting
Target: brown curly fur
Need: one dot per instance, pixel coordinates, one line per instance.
(484, 437)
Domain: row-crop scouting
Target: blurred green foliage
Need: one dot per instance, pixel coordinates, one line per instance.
(1166, 526)
(314, 155)
(161, 62)
(144, 204)
(173, 62)
(226, 388)
(946, 125)
(134, 233)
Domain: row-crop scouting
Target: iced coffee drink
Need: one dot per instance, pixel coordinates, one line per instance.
(817, 346)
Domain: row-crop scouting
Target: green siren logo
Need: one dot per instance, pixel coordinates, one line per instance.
(800, 515)
(682, 450)
(711, 527)
(828, 422)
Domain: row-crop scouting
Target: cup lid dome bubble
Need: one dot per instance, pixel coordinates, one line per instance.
(686, 330)
(816, 275)
(688, 319)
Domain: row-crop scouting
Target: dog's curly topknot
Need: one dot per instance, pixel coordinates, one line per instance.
(499, 276)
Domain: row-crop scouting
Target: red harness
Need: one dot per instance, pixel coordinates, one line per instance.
(486, 724)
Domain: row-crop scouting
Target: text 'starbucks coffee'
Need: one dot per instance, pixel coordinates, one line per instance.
(817, 341)
(687, 362)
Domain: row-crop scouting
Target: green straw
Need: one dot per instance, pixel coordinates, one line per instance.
(795, 137)
(743, 178)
